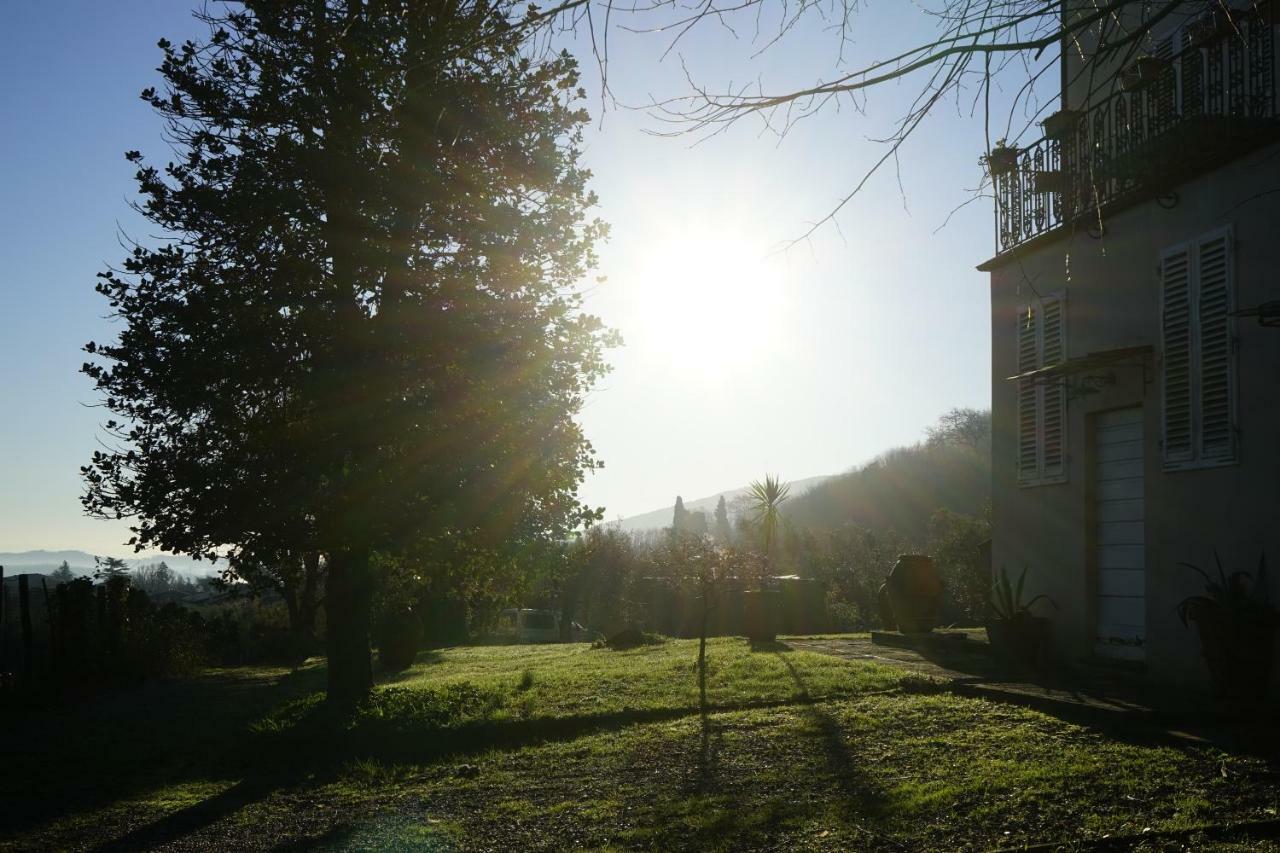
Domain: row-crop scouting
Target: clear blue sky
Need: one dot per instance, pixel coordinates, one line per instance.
(737, 361)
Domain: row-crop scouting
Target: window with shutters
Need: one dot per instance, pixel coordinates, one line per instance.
(1042, 403)
(1197, 284)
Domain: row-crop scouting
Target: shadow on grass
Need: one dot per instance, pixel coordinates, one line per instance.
(861, 797)
(749, 800)
(129, 744)
(427, 658)
(1116, 704)
(769, 646)
(195, 817)
(284, 762)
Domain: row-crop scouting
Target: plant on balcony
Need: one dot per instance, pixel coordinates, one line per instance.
(1017, 636)
(1236, 622)
(1151, 67)
(1061, 124)
(1001, 159)
(1144, 71)
(1209, 29)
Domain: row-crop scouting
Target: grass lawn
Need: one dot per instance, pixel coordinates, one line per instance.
(554, 747)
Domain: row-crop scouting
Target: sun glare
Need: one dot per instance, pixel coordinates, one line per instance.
(709, 301)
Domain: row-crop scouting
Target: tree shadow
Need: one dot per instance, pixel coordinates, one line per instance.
(195, 817)
(1116, 704)
(154, 739)
(424, 658)
(76, 760)
(768, 646)
(862, 798)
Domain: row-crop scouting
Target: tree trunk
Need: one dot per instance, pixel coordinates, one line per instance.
(702, 651)
(348, 600)
(568, 610)
(307, 596)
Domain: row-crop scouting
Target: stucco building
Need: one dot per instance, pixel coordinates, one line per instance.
(1135, 367)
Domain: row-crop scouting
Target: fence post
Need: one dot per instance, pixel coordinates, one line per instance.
(4, 636)
(24, 613)
(51, 661)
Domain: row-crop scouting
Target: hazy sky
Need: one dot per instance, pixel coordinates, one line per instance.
(738, 360)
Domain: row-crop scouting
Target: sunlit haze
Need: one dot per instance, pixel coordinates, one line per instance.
(744, 351)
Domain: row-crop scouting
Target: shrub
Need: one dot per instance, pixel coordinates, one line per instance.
(252, 631)
(397, 636)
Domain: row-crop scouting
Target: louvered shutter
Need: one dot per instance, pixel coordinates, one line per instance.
(1053, 393)
(1176, 310)
(1028, 422)
(1213, 328)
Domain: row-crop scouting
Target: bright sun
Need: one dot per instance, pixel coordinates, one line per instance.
(711, 301)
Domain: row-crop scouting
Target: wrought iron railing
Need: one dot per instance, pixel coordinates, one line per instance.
(1170, 118)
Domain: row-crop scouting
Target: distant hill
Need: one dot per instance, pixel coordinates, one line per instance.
(81, 562)
(659, 518)
(900, 491)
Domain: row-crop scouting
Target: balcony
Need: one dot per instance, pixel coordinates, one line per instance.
(1169, 119)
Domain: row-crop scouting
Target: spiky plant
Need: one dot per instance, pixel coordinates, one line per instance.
(766, 500)
(1006, 598)
(1239, 594)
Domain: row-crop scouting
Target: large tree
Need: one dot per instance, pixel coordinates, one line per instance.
(362, 326)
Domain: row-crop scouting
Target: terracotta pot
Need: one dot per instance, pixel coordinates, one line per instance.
(1238, 653)
(915, 593)
(1020, 641)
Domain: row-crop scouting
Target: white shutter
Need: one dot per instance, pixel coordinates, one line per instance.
(1176, 308)
(1213, 327)
(1028, 421)
(1053, 393)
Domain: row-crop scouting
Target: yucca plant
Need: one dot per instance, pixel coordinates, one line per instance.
(1017, 637)
(1240, 595)
(766, 500)
(1006, 598)
(1236, 622)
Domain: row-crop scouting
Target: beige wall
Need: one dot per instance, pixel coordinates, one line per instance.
(1113, 301)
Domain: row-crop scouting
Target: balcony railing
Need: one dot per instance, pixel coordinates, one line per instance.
(1171, 118)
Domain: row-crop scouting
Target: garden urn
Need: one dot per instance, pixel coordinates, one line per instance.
(915, 593)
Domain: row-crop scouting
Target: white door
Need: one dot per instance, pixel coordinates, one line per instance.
(1120, 537)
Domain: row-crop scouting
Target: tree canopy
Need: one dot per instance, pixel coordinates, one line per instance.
(361, 328)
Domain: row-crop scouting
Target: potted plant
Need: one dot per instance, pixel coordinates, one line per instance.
(1208, 29)
(1016, 634)
(1150, 68)
(1144, 71)
(1001, 159)
(1061, 124)
(1236, 622)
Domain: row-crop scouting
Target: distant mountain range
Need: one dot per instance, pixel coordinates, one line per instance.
(45, 562)
(659, 518)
